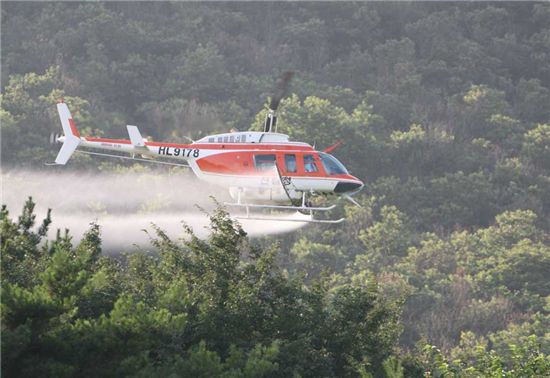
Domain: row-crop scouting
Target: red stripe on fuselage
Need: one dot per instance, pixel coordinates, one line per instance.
(162, 144)
(105, 140)
(73, 128)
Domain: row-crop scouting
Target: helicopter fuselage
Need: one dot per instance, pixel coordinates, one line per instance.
(251, 164)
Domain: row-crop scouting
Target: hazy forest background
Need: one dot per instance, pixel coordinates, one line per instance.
(444, 109)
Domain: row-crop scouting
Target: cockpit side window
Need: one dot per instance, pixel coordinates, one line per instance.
(332, 165)
(290, 163)
(264, 161)
(309, 164)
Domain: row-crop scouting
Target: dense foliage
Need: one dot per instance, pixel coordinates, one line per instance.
(200, 308)
(222, 307)
(444, 110)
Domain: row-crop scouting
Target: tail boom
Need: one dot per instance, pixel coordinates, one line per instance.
(136, 145)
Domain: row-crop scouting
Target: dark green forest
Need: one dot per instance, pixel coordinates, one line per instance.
(444, 112)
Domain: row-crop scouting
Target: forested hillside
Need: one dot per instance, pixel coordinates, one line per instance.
(444, 111)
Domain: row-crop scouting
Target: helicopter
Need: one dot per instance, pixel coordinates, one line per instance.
(261, 169)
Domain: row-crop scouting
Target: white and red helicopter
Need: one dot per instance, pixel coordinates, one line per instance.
(262, 170)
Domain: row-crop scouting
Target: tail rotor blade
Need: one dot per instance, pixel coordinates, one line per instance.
(54, 137)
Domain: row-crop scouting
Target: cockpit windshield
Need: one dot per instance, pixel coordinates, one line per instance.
(332, 165)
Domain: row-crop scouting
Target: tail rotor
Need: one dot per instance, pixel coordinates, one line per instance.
(54, 138)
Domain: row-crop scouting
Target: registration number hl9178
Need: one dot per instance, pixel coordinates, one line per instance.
(176, 151)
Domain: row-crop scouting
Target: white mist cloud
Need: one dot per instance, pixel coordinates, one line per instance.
(125, 204)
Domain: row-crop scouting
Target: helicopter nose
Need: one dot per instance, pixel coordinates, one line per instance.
(348, 186)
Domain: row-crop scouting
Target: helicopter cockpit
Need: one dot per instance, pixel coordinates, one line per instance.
(332, 165)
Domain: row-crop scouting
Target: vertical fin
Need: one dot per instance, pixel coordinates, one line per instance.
(72, 136)
(69, 127)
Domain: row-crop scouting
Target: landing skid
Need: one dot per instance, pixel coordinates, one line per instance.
(303, 209)
(279, 207)
(329, 221)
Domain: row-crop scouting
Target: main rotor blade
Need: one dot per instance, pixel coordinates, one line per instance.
(281, 90)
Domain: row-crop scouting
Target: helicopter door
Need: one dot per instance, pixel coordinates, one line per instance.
(270, 186)
(288, 167)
